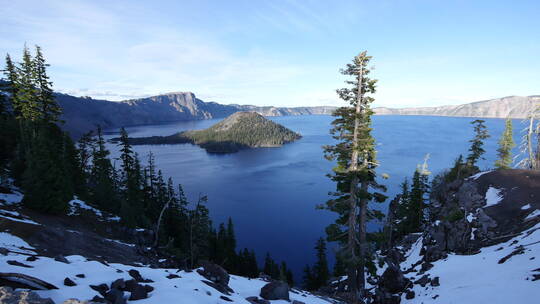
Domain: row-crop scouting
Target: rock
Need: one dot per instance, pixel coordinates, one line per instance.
(173, 276)
(393, 280)
(130, 285)
(80, 275)
(297, 302)
(137, 276)
(9, 296)
(138, 293)
(69, 282)
(3, 251)
(118, 284)
(31, 258)
(148, 288)
(101, 288)
(115, 296)
(221, 288)
(423, 281)
(435, 282)
(61, 258)
(16, 263)
(276, 290)
(98, 299)
(214, 273)
(409, 295)
(226, 299)
(256, 300)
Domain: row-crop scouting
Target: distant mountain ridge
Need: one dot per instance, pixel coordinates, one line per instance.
(511, 106)
(83, 114)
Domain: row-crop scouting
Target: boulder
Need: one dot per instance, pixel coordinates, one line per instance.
(257, 300)
(9, 296)
(118, 284)
(115, 296)
(393, 280)
(276, 290)
(214, 273)
(61, 258)
(69, 282)
(138, 293)
(101, 288)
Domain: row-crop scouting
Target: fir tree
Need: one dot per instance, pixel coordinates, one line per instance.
(506, 144)
(320, 269)
(308, 279)
(48, 107)
(354, 174)
(476, 150)
(102, 180)
(26, 101)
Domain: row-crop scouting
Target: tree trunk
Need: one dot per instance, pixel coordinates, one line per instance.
(156, 239)
(354, 270)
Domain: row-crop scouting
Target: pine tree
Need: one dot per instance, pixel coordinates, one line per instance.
(320, 269)
(354, 174)
(340, 268)
(131, 210)
(12, 76)
(506, 144)
(308, 279)
(102, 182)
(26, 102)
(476, 150)
(48, 107)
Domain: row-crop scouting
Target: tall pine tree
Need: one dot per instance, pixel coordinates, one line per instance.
(354, 174)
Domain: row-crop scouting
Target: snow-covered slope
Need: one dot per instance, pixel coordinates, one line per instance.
(504, 273)
(187, 288)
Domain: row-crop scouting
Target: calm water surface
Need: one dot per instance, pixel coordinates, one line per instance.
(271, 193)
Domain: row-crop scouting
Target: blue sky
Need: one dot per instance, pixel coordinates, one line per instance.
(284, 53)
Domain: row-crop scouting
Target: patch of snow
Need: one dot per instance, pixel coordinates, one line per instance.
(533, 214)
(477, 175)
(140, 229)
(15, 213)
(472, 233)
(120, 242)
(526, 207)
(479, 278)
(75, 205)
(11, 198)
(437, 222)
(470, 217)
(413, 255)
(19, 220)
(493, 196)
(15, 244)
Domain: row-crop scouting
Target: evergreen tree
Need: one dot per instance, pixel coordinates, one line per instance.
(506, 144)
(48, 107)
(102, 182)
(476, 150)
(354, 174)
(340, 267)
(26, 102)
(308, 279)
(320, 269)
(271, 268)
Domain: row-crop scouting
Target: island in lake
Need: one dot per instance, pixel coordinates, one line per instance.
(241, 130)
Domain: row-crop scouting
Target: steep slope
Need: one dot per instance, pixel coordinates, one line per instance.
(481, 245)
(512, 106)
(240, 130)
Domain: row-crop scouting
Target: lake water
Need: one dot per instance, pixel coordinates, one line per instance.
(271, 193)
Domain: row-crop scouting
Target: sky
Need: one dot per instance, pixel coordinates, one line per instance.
(281, 52)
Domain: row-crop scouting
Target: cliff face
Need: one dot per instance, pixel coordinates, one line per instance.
(83, 114)
(512, 106)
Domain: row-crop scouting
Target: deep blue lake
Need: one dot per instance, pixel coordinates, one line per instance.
(271, 193)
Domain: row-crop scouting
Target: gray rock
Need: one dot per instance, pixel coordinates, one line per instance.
(138, 293)
(115, 296)
(61, 258)
(257, 300)
(9, 296)
(276, 290)
(69, 282)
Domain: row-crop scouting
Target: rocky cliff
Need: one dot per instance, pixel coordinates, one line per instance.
(480, 245)
(512, 106)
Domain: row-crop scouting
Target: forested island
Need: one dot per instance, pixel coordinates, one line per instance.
(241, 130)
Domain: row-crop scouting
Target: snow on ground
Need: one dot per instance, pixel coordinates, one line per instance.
(528, 206)
(533, 214)
(187, 289)
(75, 205)
(493, 196)
(16, 217)
(413, 255)
(480, 278)
(477, 175)
(15, 244)
(11, 198)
